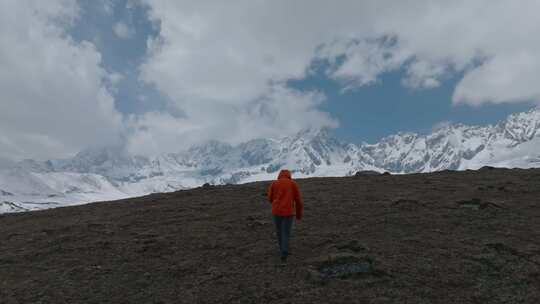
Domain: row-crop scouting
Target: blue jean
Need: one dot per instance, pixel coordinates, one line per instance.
(283, 231)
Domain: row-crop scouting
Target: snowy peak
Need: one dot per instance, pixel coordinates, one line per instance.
(312, 148)
(111, 173)
(101, 161)
(521, 127)
(454, 146)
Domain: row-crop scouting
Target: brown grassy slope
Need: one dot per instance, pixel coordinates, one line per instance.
(415, 238)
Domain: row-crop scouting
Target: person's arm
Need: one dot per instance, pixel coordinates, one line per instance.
(298, 202)
(270, 193)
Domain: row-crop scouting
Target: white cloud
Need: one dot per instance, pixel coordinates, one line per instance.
(156, 132)
(502, 78)
(226, 69)
(363, 60)
(280, 112)
(232, 53)
(54, 101)
(123, 31)
(422, 74)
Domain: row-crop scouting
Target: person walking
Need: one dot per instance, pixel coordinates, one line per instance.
(284, 195)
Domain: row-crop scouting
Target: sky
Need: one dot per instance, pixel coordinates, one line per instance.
(158, 76)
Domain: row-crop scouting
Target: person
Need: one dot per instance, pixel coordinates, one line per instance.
(284, 195)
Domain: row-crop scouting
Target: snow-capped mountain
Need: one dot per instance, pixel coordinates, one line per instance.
(111, 173)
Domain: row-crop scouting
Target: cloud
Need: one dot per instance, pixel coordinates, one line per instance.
(280, 112)
(54, 96)
(501, 79)
(232, 53)
(363, 60)
(123, 31)
(228, 80)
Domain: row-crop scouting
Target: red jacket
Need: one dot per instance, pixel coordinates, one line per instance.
(284, 196)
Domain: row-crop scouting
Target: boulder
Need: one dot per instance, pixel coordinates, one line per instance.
(367, 173)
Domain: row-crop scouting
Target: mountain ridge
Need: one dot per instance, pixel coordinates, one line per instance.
(112, 173)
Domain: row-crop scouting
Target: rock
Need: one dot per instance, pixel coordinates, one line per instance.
(367, 173)
(477, 204)
(346, 269)
(339, 265)
(484, 168)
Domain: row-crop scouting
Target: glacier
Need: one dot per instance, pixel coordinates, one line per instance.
(102, 174)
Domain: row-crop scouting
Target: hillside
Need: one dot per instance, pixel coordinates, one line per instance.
(447, 237)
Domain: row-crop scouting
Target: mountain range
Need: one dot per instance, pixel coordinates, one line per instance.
(112, 173)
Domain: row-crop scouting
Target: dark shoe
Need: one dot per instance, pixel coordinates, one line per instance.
(283, 259)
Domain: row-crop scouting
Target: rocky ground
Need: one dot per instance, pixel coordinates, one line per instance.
(448, 237)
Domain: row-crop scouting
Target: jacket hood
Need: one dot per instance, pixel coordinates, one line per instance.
(284, 174)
